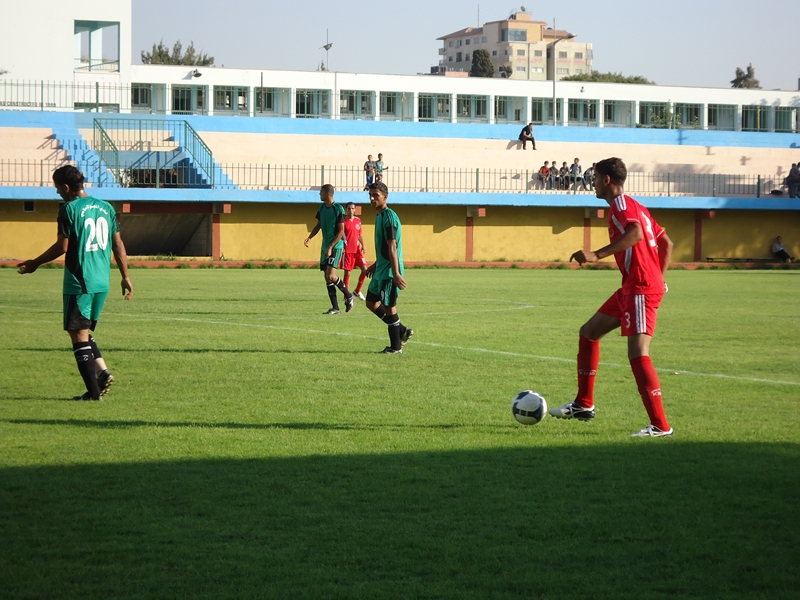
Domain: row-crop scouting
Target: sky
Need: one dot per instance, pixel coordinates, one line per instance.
(680, 42)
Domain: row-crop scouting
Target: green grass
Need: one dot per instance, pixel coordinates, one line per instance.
(254, 448)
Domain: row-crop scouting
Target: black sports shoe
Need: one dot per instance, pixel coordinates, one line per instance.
(104, 381)
(349, 302)
(406, 335)
(88, 396)
(572, 411)
(390, 350)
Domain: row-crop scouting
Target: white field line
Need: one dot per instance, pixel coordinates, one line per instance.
(431, 344)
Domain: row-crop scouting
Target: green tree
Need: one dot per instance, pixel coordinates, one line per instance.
(481, 64)
(746, 79)
(161, 55)
(609, 78)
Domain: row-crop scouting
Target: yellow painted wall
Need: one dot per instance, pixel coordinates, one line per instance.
(26, 235)
(745, 234)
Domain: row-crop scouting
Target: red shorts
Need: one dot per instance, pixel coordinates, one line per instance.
(636, 312)
(352, 260)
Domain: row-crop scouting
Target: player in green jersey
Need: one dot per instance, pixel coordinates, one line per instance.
(88, 231)
(330, 220)
(387, 270)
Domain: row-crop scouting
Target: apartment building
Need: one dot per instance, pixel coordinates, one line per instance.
(519, 47)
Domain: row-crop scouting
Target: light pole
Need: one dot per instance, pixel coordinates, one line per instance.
(555, 41)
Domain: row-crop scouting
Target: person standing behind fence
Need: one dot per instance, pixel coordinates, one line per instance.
(526, 135)
(588, 177)
(793, 180)
(379, 166)
(369, 171)
(575, 175)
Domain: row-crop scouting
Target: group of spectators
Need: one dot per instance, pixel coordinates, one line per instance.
(567, 177)
(373, 169)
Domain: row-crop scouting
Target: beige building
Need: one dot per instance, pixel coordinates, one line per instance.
(519, 47)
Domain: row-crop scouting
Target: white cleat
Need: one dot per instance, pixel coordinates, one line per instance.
(652, 431)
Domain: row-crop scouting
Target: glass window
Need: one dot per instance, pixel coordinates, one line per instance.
(784, 118)
(521, 69)
(458, 57)
(514, 35)
(537, 52)
(562, 55)
(579, 55)
(141, 95)
(537, 69)
(562, 71)
(483, 40)
(450, 44)
(520, 52)
(466, 57)
(494, 52)
(466, 43)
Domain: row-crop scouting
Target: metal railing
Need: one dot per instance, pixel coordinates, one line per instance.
(158, 170)
(106, 150)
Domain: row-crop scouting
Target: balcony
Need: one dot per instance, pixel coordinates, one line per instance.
(442, 50)
(83, 64)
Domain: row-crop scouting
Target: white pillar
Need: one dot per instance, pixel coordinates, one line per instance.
(601, 113)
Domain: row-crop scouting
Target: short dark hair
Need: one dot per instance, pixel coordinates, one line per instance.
(70, 176)
(349, 204)
(328, 189)
(380, 186)
(614, 168)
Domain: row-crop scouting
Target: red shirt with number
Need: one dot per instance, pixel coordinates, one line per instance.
(639, 264)
(352, 233)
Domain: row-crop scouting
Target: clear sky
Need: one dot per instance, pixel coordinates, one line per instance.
(677, 42)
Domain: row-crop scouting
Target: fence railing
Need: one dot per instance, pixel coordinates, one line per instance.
(159, 170)
(106, 149)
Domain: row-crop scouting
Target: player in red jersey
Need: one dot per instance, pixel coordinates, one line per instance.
(642, 250)
(354, 249)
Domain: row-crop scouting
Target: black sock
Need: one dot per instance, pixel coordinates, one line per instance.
(393, 321)
(332, 295)
(381, 314)
(343, 288)
(86, 366)
(95, 349)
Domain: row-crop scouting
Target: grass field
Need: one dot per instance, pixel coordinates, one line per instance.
(254, 448)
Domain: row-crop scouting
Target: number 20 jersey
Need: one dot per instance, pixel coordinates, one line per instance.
(89, 224)
(639, 265)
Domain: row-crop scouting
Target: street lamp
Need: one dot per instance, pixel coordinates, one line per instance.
(555, 41)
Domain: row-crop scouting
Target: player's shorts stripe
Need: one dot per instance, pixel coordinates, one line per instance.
(641, 313)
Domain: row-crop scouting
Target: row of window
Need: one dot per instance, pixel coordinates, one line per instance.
(436, 107)
(466, 42)
(521, 52)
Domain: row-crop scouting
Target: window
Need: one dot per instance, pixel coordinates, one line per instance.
(513, 35)
(520, 52)
(466, 57)
(579, 71)
(562, 55)
(579, 55)
(537, 69)
(754, 118)
(687, 116)
(449, 59)
(784, 118)
(458, 43)
(466, 43)
(521, 69)
(562, 71)
(141, 95)
(231, 99)
(494, 52)
(483, 40)
(458, 57)
(312, 103)
(537, 52)
(722, 117)
(506, 52)
(450, 44)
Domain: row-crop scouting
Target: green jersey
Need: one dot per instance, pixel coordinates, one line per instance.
(88, 224)
(387, 227)
(329, 217)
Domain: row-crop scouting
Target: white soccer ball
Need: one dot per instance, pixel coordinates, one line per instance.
(528, 407)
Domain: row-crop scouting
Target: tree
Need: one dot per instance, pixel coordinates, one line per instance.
(610, 78)
(481, 64)
(162, 56)
(746, 80)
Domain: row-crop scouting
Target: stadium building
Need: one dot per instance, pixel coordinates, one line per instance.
(220, 162)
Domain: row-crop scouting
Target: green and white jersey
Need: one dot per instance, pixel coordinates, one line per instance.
(88, 224)
(329, 218)
(387, 227)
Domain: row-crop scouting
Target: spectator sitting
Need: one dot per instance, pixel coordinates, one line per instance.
(588, 177)
(544, 174)
(555, 180)
(526, 135)
(564, 173)
(779, 250)
(575, 175)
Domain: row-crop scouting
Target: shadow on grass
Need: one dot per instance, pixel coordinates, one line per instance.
(92, 424)
(650, 518)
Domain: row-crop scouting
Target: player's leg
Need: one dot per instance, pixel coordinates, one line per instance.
(361, 263)
(382, 301)
(336, 258)
(77, 313)
(104, 377)
(639, 329)
(326, 269)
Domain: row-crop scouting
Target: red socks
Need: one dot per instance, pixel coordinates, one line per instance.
(588, 360)
(650, 390)
(361, 279)
(347, 280)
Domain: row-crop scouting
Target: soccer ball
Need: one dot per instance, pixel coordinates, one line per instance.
(528, 407)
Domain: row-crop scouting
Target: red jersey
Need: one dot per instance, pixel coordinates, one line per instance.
(639, 265)
(352, 233)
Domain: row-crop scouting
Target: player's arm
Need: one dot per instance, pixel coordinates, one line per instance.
(339, 235)
(121, 257)
(665, 246)
(52, 253)
(632, 236)
(395, 262)
(363, 247)
(314, 232)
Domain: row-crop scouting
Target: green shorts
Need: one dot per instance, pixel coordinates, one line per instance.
(331, 261)
(82, 311)
(383, 290)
